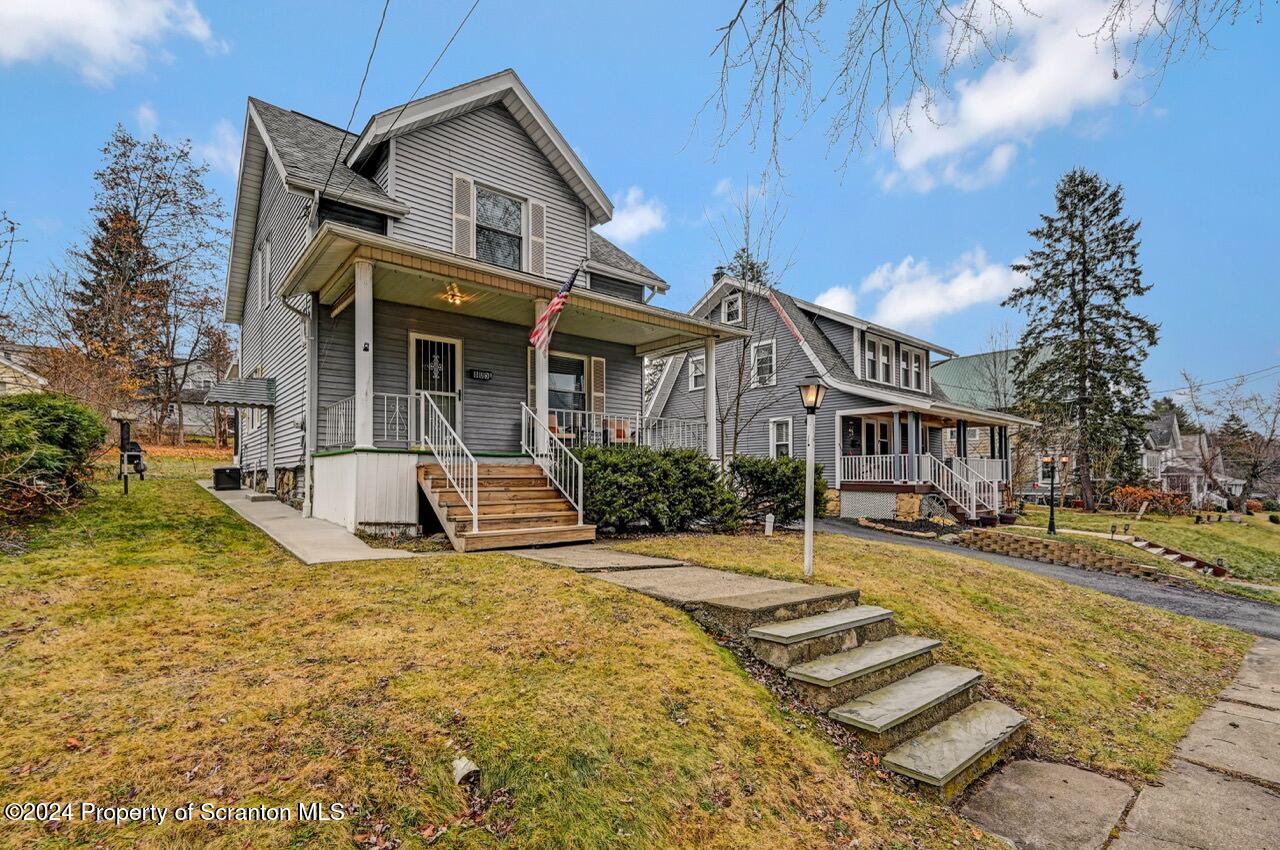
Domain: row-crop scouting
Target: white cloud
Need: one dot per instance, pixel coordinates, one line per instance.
(915, 294)
(222, 150)
(839, 298)
(147, 118)
(1055, 71)
(100, 38)
(724, 186)
(634, 216)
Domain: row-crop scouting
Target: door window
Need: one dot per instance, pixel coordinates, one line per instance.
(436, 373)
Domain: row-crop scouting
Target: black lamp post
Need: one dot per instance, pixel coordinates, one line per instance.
(1053, 480)
(812, 392)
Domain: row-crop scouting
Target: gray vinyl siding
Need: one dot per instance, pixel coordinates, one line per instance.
(617, 288)
(490, 147)
(843, 337)
(271, 336)
(490, 409)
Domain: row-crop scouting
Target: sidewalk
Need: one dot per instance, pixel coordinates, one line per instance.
(1222, 791)
(310, 540)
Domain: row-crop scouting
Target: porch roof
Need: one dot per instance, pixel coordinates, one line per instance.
(245, 392)
(425, 277)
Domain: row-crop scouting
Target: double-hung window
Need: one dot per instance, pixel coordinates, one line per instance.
(879, 359)
(763, 367)
(911, 365)
(697, 371)
(780, 437)
(499, 229)
(731, 309)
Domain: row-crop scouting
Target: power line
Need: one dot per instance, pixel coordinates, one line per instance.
(359, 94)
(1222, 380)
(421, 83)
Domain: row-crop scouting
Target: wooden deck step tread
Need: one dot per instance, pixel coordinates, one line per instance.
(805, 628)
(887, 707)
(473, 541)
(941, 753)
(831, 670)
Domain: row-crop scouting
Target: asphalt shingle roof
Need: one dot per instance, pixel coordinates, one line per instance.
(1161, 428)
(306, 148)
(606, 253)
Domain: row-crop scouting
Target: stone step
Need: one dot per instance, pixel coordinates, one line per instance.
(785, 643)
(1172, 556)
(887, 716)
(738, 613)
(833, 679)
(947, 757)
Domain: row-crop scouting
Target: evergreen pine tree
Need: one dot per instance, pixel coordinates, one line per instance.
(1080, 277)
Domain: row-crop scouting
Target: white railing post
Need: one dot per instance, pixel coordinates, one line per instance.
(562, 468)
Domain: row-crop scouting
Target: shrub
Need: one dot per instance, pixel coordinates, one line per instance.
(667, 490)
(46, 446)
(1274, 518)
(1253, 506)
(1271, 504)
(776, 486)
(1129, 499)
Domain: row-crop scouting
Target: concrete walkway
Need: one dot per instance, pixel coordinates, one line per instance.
(1222, 791)
(310, 540)
(594, 558)
(1247, 615)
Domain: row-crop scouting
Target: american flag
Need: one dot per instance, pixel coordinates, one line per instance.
(540, 337)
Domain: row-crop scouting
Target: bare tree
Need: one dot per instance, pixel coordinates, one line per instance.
(897, 58)
(1244, 435)
(8, 238)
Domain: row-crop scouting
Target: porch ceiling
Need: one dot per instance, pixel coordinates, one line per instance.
(410, 274)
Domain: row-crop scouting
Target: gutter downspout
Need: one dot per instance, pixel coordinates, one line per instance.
(309, 424)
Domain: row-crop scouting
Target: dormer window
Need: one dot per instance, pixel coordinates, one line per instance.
(911, 362)
(731, 309)
(879, 359)
(499, 229)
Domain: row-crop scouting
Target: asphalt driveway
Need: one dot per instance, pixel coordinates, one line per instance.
(1247, 615)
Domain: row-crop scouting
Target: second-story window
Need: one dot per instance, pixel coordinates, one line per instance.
(911, 361)
(697, 371)
(499, 229)
(763, 373)
(731, 309)
(879, 357)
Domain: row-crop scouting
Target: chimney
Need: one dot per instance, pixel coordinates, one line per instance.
(717, 274)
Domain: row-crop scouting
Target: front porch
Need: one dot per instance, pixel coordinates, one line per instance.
(887, 451)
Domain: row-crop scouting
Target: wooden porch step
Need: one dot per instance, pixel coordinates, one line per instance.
(491, 484)
(505, 522)
(551, 504)
(501, 495)
(492, 470)
(469, 541)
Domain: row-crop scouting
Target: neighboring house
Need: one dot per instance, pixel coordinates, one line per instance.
(187, 413)
(385, 285)
(1177, 462)
(17, 376)
(880, 430)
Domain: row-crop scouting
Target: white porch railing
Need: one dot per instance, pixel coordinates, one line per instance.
(985, 490)
(339, 423)
(562, 469)
(451, 453)
(914, 469)
(992, 469)
(592, 428)
(955, 488)
(393, 418)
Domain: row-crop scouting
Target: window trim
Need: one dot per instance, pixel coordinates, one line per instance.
(699, 358)
(773, 438)
(525, 238)
(773, 354)
(880, 343)
(913, 355)
(736, 298)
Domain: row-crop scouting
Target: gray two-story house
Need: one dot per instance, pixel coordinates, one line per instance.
(880, 430)
(385, 285)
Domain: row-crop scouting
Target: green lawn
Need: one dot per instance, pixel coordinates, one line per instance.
(1251, 548)
(1105, 682)
(156, 650)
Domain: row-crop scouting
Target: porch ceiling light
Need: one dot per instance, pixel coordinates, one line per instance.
(453, 295)
(812, 392)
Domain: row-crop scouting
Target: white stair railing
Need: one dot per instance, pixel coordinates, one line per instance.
(557, 462)
(339, 423)
(986, 492)
(459, 465)
(955, 488)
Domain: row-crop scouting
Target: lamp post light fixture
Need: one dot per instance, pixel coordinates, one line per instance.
(1053, 480)
(812, 392)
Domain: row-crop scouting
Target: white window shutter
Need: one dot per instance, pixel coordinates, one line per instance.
(537, 239)
(532, 378)
(464, 216)
(597, 384)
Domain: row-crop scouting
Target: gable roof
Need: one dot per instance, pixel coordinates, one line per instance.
(504, 87)
(1162, 429)
(612, 259)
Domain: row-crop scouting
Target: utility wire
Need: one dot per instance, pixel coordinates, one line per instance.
(1257, 372)
(418, 88)
(359, 94)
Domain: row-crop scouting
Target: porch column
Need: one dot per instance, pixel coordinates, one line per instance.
(271, 449)
(991, 442)
(709, 396)
(364, 354)
(913, 444)
(900, 467)
(541, 381)
(962, 439)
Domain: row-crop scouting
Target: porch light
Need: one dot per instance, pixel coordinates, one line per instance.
(812, 392)
(453, 295)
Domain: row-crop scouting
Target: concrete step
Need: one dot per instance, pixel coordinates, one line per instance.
(885, 717)
(520, 538)
(833, 679)
(738, 613)
(1171, 556)
(947, 757)
(788, 642)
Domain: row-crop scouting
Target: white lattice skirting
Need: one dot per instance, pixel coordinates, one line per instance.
(877, 505)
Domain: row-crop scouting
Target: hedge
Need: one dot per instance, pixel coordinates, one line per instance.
(775, 486)
(47, 443)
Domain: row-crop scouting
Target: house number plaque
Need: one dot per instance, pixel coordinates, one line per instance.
(480, 374)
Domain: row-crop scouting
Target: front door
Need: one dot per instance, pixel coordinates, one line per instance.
(436, 364)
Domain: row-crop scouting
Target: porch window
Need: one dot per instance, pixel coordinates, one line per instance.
(731, 309)
(566, 383)
(780, 437)
(499, 229)
(697, 371)
(763, 373)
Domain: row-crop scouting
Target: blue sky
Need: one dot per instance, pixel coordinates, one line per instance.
(920, 238)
